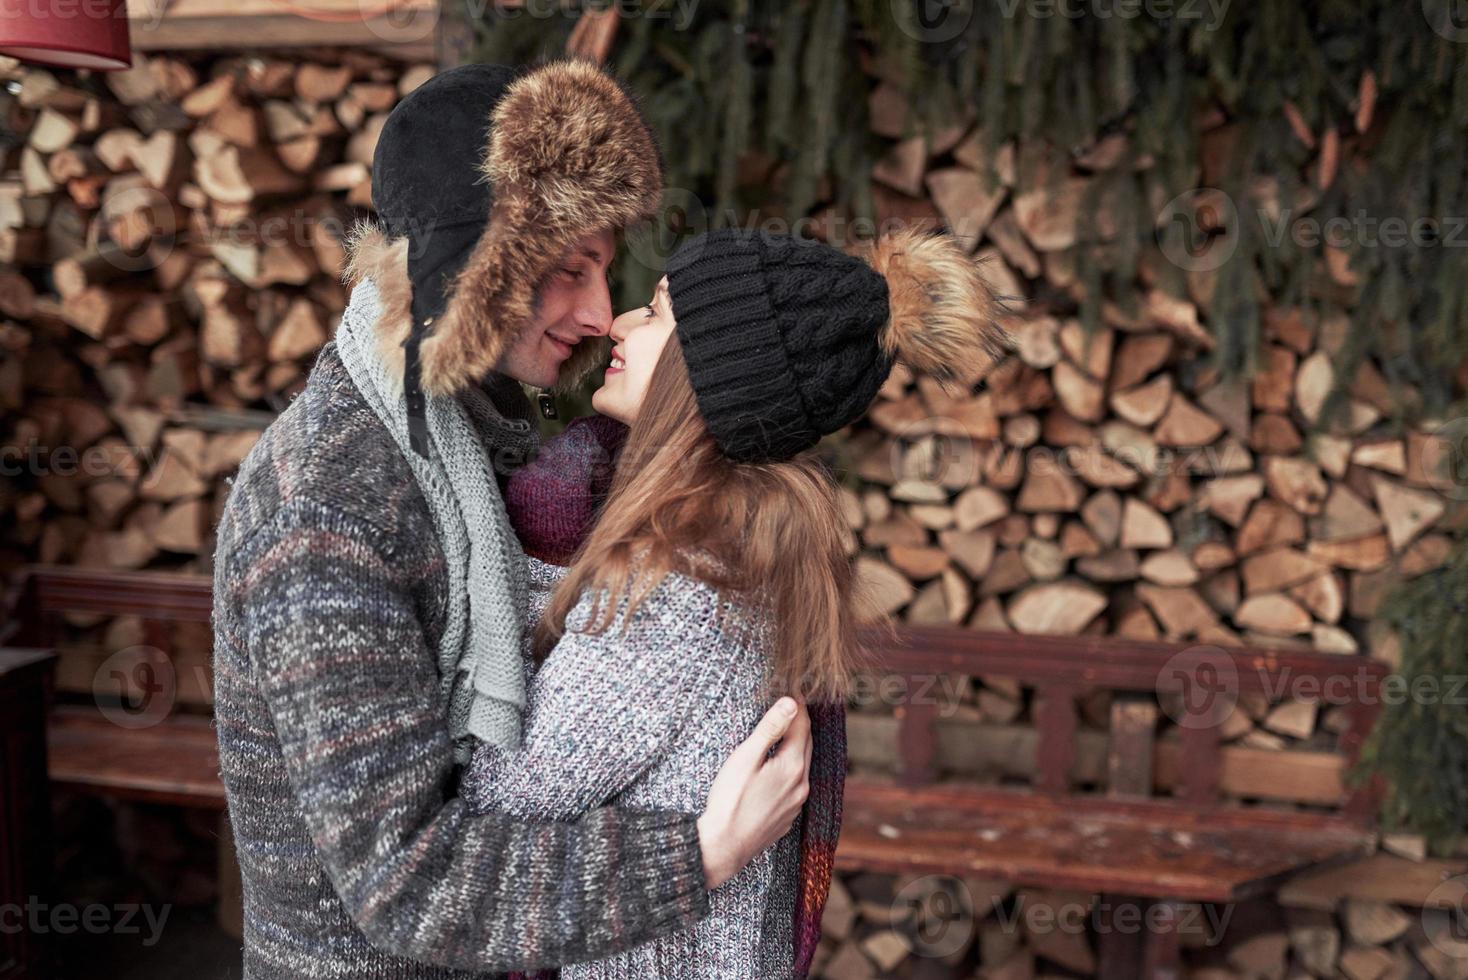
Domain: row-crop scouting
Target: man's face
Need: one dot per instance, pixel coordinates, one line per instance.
(571, 305)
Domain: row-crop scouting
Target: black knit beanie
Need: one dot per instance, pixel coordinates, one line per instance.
(781, 337)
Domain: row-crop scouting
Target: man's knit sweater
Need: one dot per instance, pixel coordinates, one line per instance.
(358, 859)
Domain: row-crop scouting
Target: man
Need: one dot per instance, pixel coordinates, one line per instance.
(369, 590)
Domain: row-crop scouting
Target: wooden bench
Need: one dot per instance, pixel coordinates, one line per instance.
(160, 756)
(1136, 850)
(1124, 843)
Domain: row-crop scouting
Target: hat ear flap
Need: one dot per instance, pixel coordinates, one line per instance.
(943, 317)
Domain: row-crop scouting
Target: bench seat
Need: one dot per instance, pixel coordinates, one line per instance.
(175, 761)
(1150, 849)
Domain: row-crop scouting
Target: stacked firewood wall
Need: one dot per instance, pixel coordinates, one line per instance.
(171, 240)
(171, 243)
(1369, 924)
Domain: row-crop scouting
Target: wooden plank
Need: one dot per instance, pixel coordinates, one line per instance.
(406, 28)
(175, 761)
(1117, 663)
(1379, 878)
(153, 595)
(1146, 848)
(1084, 661)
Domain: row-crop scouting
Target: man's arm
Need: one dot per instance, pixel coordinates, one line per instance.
(339, 654)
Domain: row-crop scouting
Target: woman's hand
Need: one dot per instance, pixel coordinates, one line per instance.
(757, 795)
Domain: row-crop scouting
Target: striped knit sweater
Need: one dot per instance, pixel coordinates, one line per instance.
(358, 858)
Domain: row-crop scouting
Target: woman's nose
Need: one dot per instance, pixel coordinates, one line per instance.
(620, 326)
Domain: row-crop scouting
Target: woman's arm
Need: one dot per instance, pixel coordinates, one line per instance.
(603, 708)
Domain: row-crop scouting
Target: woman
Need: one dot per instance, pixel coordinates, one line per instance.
(716, 576)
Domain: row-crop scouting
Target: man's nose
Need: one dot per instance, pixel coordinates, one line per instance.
(595, 309)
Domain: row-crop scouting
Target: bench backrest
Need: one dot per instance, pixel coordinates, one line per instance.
(1203, 680)
(156, 597)
(43, 593)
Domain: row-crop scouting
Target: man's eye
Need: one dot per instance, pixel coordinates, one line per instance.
(573, 274)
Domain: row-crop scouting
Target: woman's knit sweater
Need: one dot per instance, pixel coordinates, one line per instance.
(642, 716)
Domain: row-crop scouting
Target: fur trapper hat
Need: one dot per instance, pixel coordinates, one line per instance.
(482, 178)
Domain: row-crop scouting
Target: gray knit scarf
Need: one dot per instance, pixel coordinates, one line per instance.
(479, 658)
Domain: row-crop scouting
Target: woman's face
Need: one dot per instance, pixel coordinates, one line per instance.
(639, 336)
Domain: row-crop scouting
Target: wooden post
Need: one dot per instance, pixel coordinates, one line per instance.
(231, 910)
(1161, 951)
(1362, 715)
(1119, 953)
(917, 742)
(1129, 753)
(25, 804)
(1055, 716)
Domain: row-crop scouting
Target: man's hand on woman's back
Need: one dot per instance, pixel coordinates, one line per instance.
(758, 793)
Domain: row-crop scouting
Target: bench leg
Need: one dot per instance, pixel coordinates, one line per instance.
(231, 899)
(1161, 946)
(1138, 939)
(1119, 943)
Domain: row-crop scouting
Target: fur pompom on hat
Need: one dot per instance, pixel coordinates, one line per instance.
(483, 177)
(788, 340)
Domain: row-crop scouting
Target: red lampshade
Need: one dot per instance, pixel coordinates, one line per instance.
(67, 33)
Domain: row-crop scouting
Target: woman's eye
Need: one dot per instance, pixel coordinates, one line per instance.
(650, 311)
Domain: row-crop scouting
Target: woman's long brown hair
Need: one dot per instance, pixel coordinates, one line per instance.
(775, 528)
